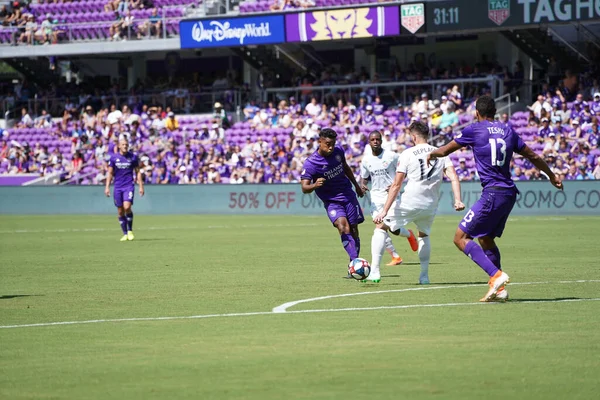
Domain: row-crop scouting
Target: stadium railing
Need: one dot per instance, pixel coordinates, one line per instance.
(202, 101)
(99, 30)
(431, 86)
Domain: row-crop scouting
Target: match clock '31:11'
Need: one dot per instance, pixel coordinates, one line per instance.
(446, 16)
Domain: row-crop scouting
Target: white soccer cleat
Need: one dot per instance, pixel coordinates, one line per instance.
(501, 295)
(373, 277)
(497, 282)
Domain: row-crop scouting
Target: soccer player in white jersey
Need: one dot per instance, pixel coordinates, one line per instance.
(379, 166)
(419, 201)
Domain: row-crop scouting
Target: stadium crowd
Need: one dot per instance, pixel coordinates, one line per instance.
(273, 139)
(48, 22)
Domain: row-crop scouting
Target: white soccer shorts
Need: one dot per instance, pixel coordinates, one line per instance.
(399, 217)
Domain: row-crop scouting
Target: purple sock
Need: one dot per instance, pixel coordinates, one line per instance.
(494, 256)
(357, 241)
(129, 221)
(349, 245)
(123, 222)
(476, 254)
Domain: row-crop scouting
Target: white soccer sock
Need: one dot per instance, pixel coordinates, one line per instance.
(424, 256)
(377, 249)
(404, 232)
(389, 246)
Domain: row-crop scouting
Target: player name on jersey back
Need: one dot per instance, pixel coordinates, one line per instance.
(424, 184)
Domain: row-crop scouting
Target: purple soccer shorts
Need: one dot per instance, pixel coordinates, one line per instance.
(123, 195)
(351, 210)
(489, 214)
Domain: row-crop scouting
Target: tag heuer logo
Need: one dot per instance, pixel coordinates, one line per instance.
(413, 16)
(498, 10)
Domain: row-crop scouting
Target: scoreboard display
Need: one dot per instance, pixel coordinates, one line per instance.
(460, 15)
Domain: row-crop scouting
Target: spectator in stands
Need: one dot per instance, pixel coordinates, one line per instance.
(152, 26)
(30, 28)
(462, 171)
(43, 120)
(596, 103)
(220, 116)
(26, 121)
(250, 110)
(518, 174)
(127, 26)
(425, 105)
(449, 118)
(306, 92)
(583, 174)
(596, 172)
(313, 109)
(115, 28)
(539, 105)
(456, 97)
(14, 18)
(444, 137)
(280, 5)
(295, 108)
(171, 122)
(137, 4)
(46, 32)
(564, 113)
(570, 83)
(4, 15)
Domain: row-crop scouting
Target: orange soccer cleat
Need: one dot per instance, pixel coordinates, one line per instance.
(395, 261)
(412, 240)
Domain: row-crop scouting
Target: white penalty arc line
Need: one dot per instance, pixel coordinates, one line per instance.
(283, 308)
(248, 314)
(158, 228)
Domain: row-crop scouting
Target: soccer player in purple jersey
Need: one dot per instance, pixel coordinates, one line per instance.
(124, 166)
(493, 145)
(329, 176)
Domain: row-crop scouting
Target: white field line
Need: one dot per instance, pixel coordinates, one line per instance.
(247, 314)
(156, 228)
(283, 308)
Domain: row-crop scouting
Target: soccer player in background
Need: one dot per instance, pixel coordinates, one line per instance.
(419, 201)
(124, 166)
(493, 145)
(329, 176)
(379, 166)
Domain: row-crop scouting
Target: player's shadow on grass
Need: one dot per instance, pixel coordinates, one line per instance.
(151, 239)
(458, 283)
(13, 296)
(545, 300)
(415, 263)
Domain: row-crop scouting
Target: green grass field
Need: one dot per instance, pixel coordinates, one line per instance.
(543, 344)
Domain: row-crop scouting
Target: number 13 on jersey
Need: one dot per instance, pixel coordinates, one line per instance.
(498, 149)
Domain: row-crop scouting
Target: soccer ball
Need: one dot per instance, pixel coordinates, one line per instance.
(359, 269)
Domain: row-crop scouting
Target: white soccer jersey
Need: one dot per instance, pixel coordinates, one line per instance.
(382, 171)
(422, 191)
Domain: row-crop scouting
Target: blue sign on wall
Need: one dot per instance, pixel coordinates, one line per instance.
(224, 32)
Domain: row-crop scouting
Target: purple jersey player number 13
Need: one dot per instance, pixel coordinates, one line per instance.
(493, 144)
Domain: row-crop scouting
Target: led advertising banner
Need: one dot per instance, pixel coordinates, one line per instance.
(458, 15)
(351, 23)
(229, 32)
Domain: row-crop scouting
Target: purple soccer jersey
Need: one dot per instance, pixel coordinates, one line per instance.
(337, 186)
(493, 145)
(124, 172)
(337, 195)
(124, 169)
